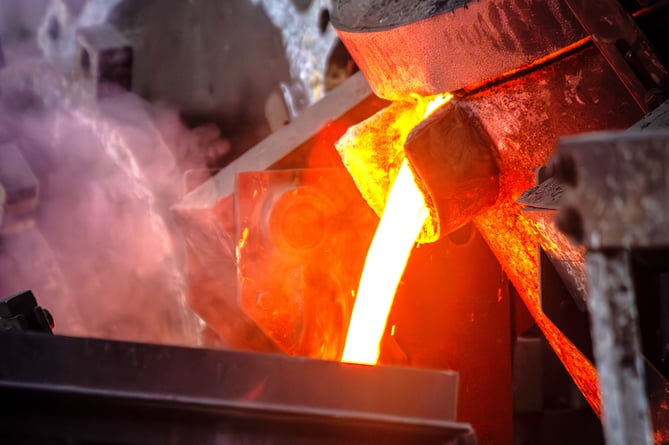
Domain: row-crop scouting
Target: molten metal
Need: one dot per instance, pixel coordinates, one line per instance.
(404, 215)
(373, 152)
(402, 219)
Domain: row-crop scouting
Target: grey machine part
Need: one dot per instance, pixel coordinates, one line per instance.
(616, 201)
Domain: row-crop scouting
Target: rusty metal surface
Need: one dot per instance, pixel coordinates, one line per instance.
(619, 194)
(625, 47)
(541, 204)
(620, 367)
(473, 42)
(526, 115)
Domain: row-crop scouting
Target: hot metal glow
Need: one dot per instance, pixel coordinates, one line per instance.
(373, 150)
(511, 237)
(402, 219)
(370, 152)
(436, 102)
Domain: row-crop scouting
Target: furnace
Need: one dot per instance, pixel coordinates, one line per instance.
(463, 242)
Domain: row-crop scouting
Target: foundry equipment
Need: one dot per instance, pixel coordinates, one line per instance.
(515, 95)
(535, 134)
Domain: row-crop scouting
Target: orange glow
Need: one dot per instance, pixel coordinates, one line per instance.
(402, 219)
(512, 238)
(435, 103)
(371, 150)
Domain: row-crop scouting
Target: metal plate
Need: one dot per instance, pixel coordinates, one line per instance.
(106, 378)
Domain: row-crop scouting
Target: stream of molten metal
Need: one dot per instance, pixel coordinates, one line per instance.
(505, 229)
(402, 220)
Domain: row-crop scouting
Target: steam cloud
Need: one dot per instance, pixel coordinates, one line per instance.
(99, 249)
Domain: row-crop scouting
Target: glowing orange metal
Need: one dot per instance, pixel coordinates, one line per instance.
(403, 217)
(514, 243)
(508, 233)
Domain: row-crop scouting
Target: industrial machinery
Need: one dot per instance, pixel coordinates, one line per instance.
(481, 211)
